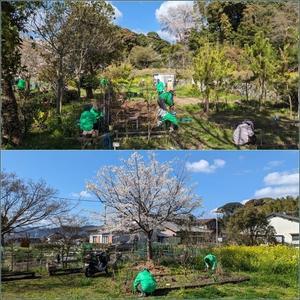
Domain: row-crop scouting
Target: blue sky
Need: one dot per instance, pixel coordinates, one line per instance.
(142, 16)
(221, 176)
(138, 15)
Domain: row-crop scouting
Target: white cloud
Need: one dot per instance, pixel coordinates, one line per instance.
(283, 178)
(279, 185)
(82, 194)
(273, 164)
(203, 166)
(166, 36)
(277, 192)
(138, 31)
(118, 13)
(163, 9)
(245, 201)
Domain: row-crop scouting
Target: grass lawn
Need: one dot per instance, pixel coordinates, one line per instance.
(74, 287)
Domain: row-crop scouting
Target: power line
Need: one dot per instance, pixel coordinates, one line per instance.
(77, 200)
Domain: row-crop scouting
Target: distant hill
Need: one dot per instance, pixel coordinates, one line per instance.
(43, 232)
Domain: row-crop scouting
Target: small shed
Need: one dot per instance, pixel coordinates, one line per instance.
(168, 79)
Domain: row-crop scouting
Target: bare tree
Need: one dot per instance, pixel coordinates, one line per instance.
(31, 60)
(26, 203)
(50, 25)
(177, 18)
(143, 196)
(94, 40)
(69, 230)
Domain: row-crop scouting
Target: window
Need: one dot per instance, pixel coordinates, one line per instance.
(94, 239)
(279, 239)
(295, 236)
(104, 239)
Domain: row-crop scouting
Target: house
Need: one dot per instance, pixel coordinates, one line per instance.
(286, 228)
(170, 233)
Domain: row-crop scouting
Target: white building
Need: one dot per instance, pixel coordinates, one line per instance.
(286, 227)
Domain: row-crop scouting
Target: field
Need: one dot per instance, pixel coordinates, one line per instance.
(272, 272)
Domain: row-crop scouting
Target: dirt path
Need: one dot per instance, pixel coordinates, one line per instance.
(186, 101)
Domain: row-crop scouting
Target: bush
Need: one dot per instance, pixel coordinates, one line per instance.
(35, 108)
(70, 95)
(268, 259)
(65, 125)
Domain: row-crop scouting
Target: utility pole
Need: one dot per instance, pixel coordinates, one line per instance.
(217, 240)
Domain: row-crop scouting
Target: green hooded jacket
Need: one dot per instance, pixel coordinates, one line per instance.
(211, 261)
(103, 82)
(170, 117)
(21, 85)
(88, 119)
(167, 97)
(146, 280)
(160, 87)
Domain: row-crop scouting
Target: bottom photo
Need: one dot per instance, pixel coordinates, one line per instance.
(163, 224)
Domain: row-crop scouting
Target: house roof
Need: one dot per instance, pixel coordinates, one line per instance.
(205, 221)
(177, 228)
(283, 216)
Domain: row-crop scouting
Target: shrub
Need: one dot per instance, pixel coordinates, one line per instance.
(70, 95)
(35, 108)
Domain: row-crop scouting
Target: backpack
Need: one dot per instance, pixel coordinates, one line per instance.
(244, 133)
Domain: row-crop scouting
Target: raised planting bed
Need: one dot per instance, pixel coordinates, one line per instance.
(174, 282)
(60, 271)
(10, 276)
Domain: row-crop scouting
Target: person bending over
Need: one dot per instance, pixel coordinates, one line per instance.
(144, 282)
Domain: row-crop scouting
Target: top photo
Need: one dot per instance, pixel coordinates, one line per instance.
(150, 75)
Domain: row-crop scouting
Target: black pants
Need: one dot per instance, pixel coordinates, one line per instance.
(161, 103)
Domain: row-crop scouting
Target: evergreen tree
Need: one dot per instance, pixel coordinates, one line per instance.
(211, 69)
(261, 58)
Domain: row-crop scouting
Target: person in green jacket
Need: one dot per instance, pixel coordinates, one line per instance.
(210, 262)
(21, 84)
(167, 117)
(166, 99)
(89, 120)
(160, 87)
(144, 282)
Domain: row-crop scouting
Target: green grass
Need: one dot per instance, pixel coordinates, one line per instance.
(268, 286)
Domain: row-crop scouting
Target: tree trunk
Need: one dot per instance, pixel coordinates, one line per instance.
(2, 240)
(207, 101)
(59, 99)
(260, 99)
(27, 90)
(78, 89)
(247, 93)
(149, 246)
(60, 86)
(291, 106)
(89, 93)
(11, 125)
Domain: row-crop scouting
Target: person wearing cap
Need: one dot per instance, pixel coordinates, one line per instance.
(144, 282)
